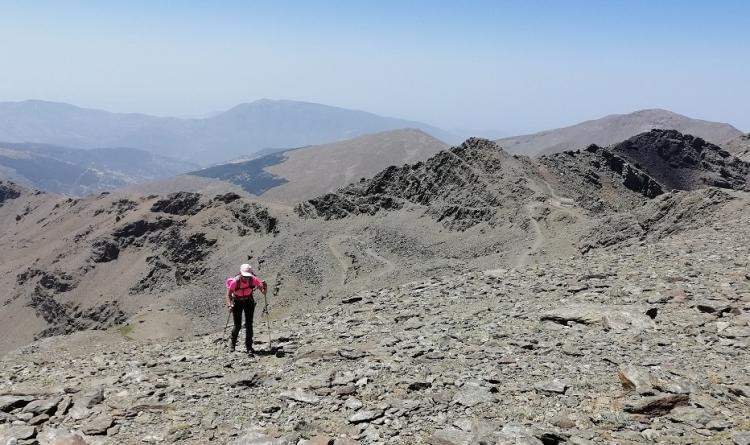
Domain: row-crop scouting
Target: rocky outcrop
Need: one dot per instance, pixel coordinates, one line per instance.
(668, 214)
(599, 180)
(460, 188)
(227, 198)
(134, 233)
(253, 218)
(179, 259)
(65, 318)
(632, 178)
(57, 281)
(104, 250)
(8, 191)
(180, 203)
(684, 162)
(625, 175)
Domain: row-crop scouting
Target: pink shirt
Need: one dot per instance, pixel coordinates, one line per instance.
(254, 281)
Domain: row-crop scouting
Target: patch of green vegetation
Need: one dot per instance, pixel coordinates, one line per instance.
(125, 330)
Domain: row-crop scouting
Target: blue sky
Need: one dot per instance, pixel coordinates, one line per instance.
(495, 68)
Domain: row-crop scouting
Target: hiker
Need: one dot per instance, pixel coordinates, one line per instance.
(239, 299)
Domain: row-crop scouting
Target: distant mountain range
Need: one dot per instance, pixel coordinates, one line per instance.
(334, 146)
(306, 172)
(80, 172)
(240, 131)
(615, 128)
(291, 175)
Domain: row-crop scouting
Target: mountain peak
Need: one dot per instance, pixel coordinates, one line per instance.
(614, 128)
(466, 185)
(239, 131)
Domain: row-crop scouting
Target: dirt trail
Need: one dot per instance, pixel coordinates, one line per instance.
(334, 247)
(561, 203)
(389, 266)
(539, 239)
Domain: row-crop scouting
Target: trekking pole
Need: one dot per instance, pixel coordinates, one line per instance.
(226, 325)
(265, 310)
(268, 321)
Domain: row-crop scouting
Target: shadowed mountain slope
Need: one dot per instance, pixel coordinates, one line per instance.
(79, 172)
(684, 162)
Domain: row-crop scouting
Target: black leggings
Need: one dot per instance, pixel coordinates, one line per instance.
(246, 305)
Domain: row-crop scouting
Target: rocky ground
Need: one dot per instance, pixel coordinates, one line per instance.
(740, 147)
(475, 298)
(644, 343)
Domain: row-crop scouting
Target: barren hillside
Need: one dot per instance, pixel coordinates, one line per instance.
(740, 147)
(615, 128)
(449, 301)
(294, 175)
(95, 262)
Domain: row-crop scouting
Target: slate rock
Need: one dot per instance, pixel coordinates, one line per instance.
(367, 415)
(320, 439)
(470, 396)
(552, 386)
(9, 403)
(450, 436)
(16, 433)
(248, 379)
(656, 405)
(45, 406)
(92, 397)
(301, 396)
(516, 434)
(98, 425)
(351, 354)
(353, 404)
(255, 437)
(179, 203)
(636, 379)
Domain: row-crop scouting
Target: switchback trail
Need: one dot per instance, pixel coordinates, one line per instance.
(334, 245)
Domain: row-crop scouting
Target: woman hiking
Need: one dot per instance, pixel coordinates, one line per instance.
(239, 299)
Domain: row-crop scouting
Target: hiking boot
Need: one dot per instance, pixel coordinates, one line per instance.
(250, 351)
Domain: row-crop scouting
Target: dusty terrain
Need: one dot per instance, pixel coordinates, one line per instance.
(592, 296)
(638, 344)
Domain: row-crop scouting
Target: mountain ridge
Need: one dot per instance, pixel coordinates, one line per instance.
(304, 172)
(614, 128)
(239, 131)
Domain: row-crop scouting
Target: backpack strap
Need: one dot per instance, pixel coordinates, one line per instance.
(239, 279)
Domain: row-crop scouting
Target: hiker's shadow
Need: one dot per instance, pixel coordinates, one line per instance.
(277, 352)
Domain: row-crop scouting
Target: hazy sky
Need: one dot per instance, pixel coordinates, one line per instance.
(498, 67)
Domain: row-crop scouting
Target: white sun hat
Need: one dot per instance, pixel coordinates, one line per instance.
(246, 270)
